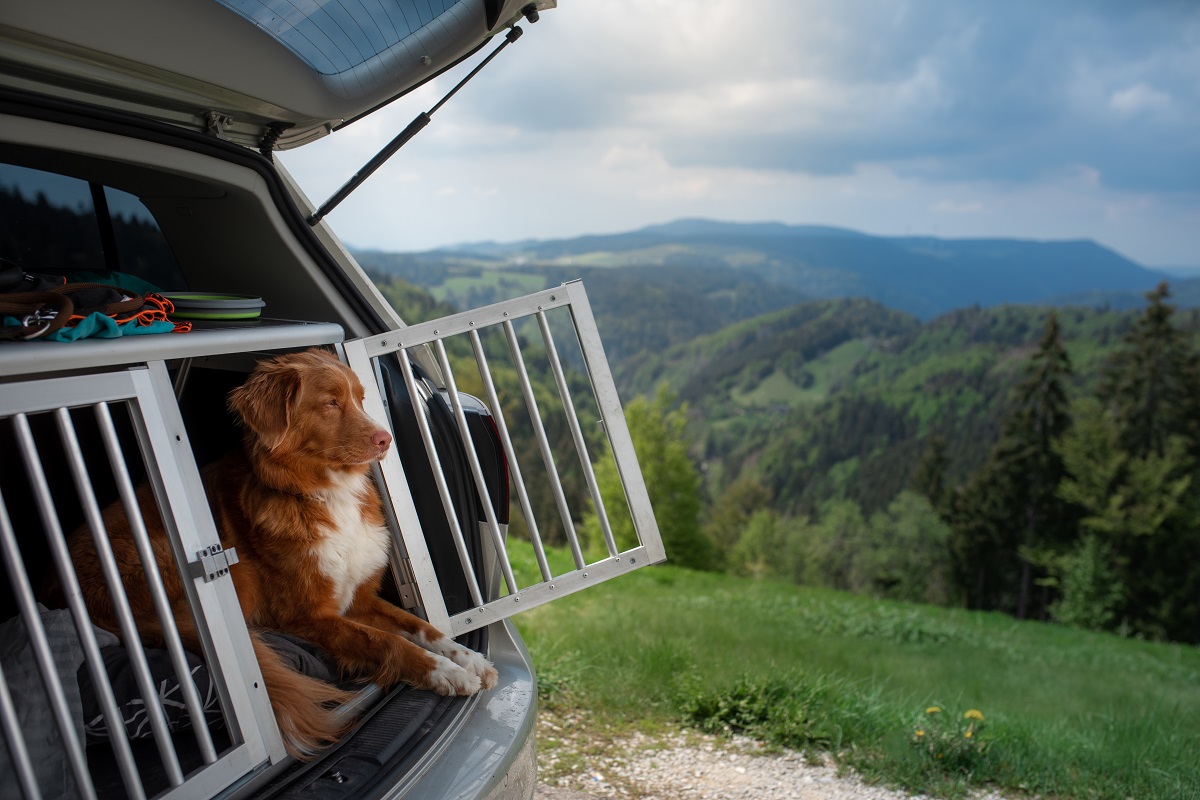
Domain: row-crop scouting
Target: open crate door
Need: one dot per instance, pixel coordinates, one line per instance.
(521, 356)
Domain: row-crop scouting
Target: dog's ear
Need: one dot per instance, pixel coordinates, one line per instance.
(264, 402)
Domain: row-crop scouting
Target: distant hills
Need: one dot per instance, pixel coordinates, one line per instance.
(817, 361)
(924, 276)
(666, 284)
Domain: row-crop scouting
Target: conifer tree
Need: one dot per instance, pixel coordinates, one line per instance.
(1131, 508)
(1151, 393)
(1010, 509)
(929, 478)
(1151, 383)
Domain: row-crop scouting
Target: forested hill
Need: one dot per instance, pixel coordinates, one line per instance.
(837, 399)
(819, 399)
(814, 398)
(1057, 448)
(637, 310)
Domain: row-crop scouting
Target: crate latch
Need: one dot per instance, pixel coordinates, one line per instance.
(212, 562)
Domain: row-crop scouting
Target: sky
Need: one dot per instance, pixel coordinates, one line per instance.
(1068, 119)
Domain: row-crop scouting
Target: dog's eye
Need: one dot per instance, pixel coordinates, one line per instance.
(332, 402)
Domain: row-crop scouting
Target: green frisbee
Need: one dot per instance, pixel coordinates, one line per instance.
(208, 305)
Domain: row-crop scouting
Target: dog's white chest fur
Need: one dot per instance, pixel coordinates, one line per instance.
(353, 549)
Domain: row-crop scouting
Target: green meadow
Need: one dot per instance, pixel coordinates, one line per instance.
(932, 700)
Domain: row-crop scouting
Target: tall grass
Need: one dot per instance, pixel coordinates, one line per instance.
(1065, 713)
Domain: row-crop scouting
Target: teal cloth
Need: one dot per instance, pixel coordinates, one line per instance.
(98, 326)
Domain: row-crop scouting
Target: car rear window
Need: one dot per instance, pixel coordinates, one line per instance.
(61, 225)
(335, 37)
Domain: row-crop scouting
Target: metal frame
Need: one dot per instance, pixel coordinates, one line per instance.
(502, 317)
(166, 452)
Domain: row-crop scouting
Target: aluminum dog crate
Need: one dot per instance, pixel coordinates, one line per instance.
(45, 416)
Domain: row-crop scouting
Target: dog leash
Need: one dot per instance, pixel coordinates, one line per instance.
(40, 314)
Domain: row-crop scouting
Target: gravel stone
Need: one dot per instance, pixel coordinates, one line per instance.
(691, 766)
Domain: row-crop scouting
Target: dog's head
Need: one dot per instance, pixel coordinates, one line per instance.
(309, 405)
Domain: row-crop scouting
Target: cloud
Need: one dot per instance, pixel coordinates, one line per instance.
(996, 91)
(1139, 99)
(611, 114)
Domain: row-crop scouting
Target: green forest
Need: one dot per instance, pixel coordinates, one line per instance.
(1036, 461)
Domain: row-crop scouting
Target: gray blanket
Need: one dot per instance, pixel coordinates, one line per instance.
(42, 737)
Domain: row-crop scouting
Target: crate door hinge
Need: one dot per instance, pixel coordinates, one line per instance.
(408, 599)
(213, 562)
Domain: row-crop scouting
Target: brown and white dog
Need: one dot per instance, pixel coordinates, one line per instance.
(306, 520)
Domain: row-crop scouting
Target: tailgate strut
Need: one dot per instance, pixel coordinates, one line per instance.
(415, 126)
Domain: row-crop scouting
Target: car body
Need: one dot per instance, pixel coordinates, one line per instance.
(136, 150)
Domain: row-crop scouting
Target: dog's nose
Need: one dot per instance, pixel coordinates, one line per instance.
(382, 440)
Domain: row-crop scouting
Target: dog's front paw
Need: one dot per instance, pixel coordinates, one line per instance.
(477, 665)
(449, 678)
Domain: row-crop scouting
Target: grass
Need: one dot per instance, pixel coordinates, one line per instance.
(516, 283)
(1066, 713)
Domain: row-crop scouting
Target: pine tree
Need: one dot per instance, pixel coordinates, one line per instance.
(1010, 508)
(1041, 418)
(980, 515)
(1151, 384)
(1151, 392)
(929, 478)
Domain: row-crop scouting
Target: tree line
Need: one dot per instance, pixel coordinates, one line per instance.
(1086, 510)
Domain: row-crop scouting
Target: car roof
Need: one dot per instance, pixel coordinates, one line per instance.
(294, 69)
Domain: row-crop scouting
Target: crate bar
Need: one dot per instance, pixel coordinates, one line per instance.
(395, 484)
(539, 430)
(141, 539)
(615, 424)
(489, 513)
(23, 594)
(17, 751)
(399, 509)
(398, 557)
(510, 455)
(585, 460)
(48, 394)
(456, 532)
(542, 593)
(141, 671)
(455, 324)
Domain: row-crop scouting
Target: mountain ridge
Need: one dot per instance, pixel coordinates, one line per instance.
(922, 275)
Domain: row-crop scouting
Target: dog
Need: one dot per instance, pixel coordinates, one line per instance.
(300, 508)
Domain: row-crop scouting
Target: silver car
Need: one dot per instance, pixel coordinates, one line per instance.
(136, 155)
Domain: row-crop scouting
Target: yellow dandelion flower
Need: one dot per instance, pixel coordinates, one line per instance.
(920, 734)
(967, 734)
(974, 713)
(932, 710)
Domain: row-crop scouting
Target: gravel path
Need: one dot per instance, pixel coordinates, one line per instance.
(689, 766)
